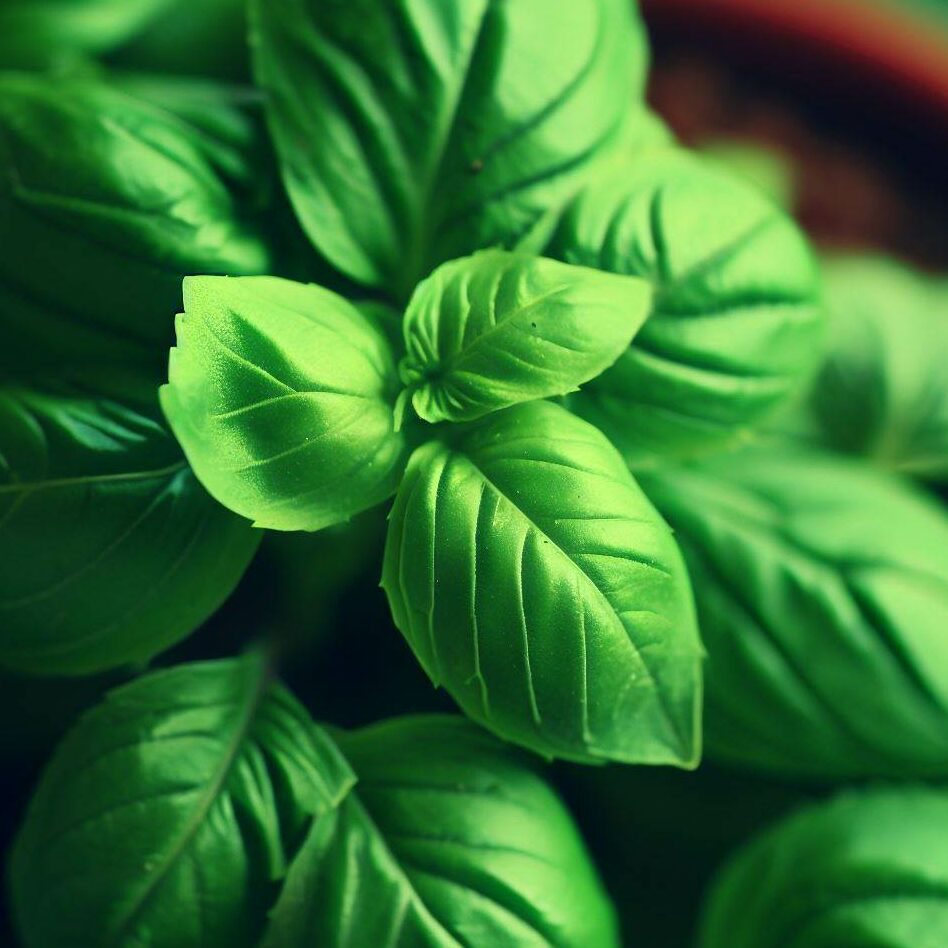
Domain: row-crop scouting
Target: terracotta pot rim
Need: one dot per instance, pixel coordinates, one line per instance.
(878, 49)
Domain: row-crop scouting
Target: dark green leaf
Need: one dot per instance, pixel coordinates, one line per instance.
(415, 131)
(36, 33)
(203, 38)
(882, 391)
(111, 550)
(169, 814)
(866, 870)
(535, 582)
(106, 202)
(735, 319)
(822, 591)
(492, 330)
(282, 396)
(448, 841)
(207, 38)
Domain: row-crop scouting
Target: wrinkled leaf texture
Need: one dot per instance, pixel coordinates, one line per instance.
(735, 322)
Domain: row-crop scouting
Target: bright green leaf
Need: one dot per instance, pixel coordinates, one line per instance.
(448, 840)
(822, 592)
(106, 202)
(415, 131)
(869, 869)
(282, 396)
(170, 813)
(492, 330)
(112, 551)
(533, 580)
(735, 321)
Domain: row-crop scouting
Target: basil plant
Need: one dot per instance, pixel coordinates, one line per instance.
(441, 261)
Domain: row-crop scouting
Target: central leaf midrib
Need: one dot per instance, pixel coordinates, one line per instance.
(192, 827)
(659, 691)
(30, 487)
(455, 360)
(363, 811)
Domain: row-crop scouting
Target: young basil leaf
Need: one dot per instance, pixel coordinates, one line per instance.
(866, 870)
(282, 396)
(169, 814)
(105, 203)
(882, 391)
(735, 318)
(822, 592)
(533, 579)
(415, 131)
(112, 551)
(489, 331)
(448, 839)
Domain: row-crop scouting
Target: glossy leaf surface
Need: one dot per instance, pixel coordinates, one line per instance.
(735, 319)
(866, 870)
(535, 582)
(416, 131)
(106, 202)
(111, 550)
(170, 813)
(492, 330)
(822, 592)
(448, 839)
(282, 396)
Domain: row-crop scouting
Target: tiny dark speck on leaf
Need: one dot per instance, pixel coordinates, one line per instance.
(534, 325)
(477, 166)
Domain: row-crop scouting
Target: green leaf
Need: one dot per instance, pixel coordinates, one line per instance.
(415, 131)
(37, 33)
(869, 869)
(533, 580)
(282, 396)
(112, 551)
(106, 202)
(448, 840)
(492, 330)
(735, 320)
(224, 120)
(169, 814)
(208, 38)
(822, 592)
(882, 391)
